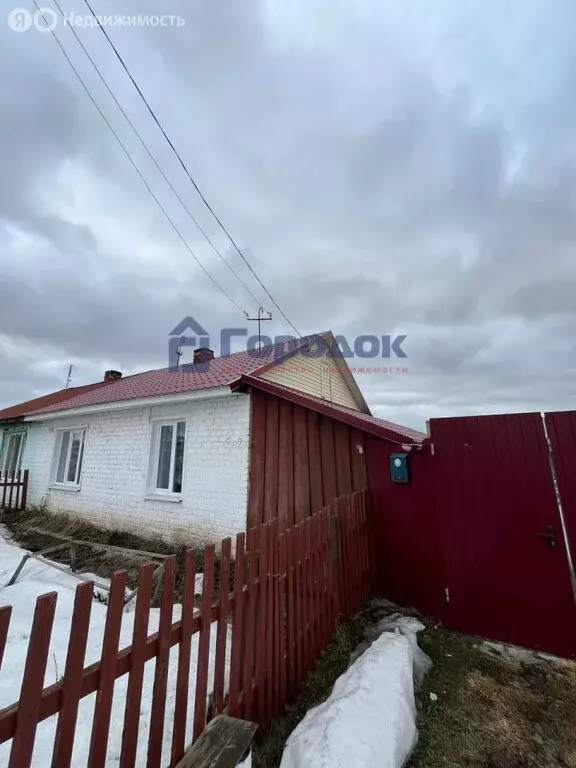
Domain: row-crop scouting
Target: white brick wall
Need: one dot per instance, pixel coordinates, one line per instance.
(116, 464)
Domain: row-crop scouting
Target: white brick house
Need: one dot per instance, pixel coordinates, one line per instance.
(165, 453)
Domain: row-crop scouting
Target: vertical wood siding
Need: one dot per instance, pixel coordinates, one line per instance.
(300, 461)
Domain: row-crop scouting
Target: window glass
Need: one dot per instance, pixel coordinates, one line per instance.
(63, 457)
(179, 457)
(74, 457)
(164, 456)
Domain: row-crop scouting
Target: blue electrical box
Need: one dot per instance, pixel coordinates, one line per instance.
(399, 469)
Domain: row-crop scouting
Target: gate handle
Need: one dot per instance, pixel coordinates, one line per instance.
(550, 535)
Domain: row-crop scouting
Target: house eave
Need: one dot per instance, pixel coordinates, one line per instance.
(141, 402)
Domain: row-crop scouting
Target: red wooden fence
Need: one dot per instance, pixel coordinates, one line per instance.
(289, 590)
(13, 491)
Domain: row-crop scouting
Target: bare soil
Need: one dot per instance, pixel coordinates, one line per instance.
(494, 709)
(502, 709)
(91, 560)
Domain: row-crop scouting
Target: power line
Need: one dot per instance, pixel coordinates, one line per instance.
(187, 172)
(153, 158)
(138, 171)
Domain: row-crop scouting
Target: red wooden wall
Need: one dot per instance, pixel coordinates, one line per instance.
(300, 461)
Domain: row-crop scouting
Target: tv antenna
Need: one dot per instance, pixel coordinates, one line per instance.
(69, 377)
(262, 317)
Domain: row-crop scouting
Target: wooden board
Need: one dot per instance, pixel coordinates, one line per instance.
(221, 745)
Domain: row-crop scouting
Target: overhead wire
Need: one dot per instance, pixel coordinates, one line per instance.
(137, 169)
(154, 160)
(185, 168)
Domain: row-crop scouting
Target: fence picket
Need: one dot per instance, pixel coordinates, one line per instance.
(138, 659)
(204, 642)
(162, 664)
(282, 581)
(33, 682)
(238, 628)
(290, 589)
(222, 629)
(184, 654)
(251, 616)
(5, 613)
(261, 645)
(103, 707)
(72, 684)
(290, 616)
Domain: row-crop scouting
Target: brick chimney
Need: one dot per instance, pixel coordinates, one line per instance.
(112, 375)
(203, 355)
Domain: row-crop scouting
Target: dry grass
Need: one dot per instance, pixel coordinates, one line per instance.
(88, 559)
(493, 712)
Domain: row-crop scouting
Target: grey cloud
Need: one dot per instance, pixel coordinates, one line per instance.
(382, 171)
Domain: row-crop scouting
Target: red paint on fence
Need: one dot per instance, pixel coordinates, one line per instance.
(72, 684)
(161, 671)
(204, 643)
(138, 659)
(184, 655)
(283, 615)
(32, 684)
(103, 707)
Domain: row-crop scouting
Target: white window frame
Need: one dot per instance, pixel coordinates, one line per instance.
(6, 440)
(153, 490)
(65, 483)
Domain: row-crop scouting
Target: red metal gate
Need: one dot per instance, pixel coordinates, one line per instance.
(469, 539)
(507, 574)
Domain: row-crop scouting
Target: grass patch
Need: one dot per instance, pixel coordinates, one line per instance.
(493, 712)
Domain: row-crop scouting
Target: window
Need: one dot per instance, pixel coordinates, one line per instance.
(11, 453)
(69, 453)
(168, 455)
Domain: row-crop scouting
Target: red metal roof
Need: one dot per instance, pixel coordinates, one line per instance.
(379, 427)
(219, 372)
(51, 400)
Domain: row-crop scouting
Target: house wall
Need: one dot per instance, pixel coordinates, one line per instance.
(115, 469)
(300, 461)
(319, 376)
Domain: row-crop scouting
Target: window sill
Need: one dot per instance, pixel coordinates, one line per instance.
(174, 498)
(63, 487)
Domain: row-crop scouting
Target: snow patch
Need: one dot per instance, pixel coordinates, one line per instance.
(369, 719)
(37, 579)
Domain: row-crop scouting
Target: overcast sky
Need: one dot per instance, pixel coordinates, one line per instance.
(387, 167)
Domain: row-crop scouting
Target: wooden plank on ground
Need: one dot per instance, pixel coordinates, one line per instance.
(5, 613)
(222, 744)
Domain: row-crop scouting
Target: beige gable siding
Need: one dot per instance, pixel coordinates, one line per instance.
(319, 376)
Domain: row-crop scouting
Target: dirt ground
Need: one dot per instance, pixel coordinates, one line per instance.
(104, 563)
(496, 707)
